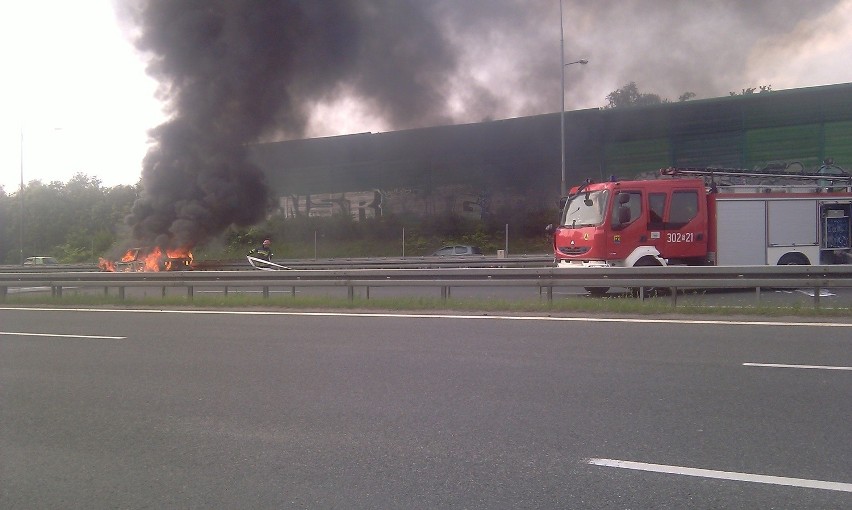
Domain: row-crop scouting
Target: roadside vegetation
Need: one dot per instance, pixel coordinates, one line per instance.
(619, 305)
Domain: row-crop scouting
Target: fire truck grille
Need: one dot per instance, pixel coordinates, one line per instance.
(573, 250)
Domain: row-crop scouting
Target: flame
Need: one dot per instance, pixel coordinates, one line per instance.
(106, 265)
(139, 259)
(151, 261)
(178, 257)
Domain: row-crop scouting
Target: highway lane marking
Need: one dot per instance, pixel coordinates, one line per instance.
(54, 335)
(723, 475)
(780, 365)
(449, 316)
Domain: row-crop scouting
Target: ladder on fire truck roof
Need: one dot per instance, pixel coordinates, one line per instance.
(828, 172)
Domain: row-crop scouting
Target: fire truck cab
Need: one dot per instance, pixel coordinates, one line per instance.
(629, 223)
(685, 220)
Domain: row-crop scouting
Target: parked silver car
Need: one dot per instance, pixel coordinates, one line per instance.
(457, 249)
(39, 261)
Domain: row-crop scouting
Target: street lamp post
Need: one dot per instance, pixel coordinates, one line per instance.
(562, 188)
(21, 191)
(21, 195)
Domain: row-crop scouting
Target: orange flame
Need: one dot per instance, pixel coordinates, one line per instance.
(106, 265)
(138, 259)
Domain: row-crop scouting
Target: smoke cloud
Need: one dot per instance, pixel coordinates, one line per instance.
(233, 71)
(236, 72)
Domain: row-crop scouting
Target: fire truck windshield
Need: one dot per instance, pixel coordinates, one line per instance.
(586, 209)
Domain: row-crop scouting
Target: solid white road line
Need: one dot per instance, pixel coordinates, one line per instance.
(483, 316)
(98, 337)
(723, 475)
(779, 365)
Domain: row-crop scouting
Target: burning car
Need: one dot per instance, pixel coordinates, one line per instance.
(149, 259)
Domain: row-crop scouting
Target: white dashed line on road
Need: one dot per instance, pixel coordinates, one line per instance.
(723, 475)
(779, 365)
(54, 335)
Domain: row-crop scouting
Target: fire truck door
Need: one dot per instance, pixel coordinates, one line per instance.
(628, 225)
(684, 233)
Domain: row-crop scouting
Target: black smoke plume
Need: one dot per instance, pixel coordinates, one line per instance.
(232, 71)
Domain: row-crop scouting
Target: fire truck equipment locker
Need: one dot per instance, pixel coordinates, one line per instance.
(793, 228)
(740, 237)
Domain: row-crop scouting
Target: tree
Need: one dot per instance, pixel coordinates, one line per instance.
(72, 221)
(752, 90)
(629, 95)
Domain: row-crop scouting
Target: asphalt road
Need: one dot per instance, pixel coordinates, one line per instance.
(118, 409)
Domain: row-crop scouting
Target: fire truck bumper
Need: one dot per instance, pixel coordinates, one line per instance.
(584, 263)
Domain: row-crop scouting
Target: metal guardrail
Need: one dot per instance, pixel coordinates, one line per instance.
(424, 262)
(421, 262)
(640, 278)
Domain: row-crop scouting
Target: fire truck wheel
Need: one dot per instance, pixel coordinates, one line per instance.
(597, 291)
(793, 259)
(650, 291)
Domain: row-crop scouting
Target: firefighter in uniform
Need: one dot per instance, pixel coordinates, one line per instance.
(264, 252)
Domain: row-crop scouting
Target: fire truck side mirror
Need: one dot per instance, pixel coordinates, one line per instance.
(622, 217)
(622, 214)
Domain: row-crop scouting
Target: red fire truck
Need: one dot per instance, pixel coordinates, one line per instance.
(708, 216)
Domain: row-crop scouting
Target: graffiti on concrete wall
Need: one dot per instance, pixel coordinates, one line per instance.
(358, 204)
(361, 205)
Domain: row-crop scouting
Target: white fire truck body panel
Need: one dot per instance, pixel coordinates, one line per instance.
(740, 232)
(793, 222)
(759, 231)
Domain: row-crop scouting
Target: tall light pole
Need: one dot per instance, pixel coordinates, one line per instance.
(562, 188)
(21, 191)
(21, 195)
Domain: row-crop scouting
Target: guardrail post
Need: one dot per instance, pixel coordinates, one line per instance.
(673, 290)
(293, 291)
(190, 292)
(163, 291)
(816, 297)
(265, 292)
(226, 291)
(550, 294)
(757, 294)
(121, 293)
(3, 291)
(350, 293)
(368, 291)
